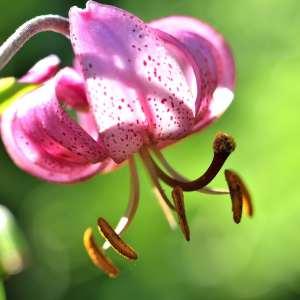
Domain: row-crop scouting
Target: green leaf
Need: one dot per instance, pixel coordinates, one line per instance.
(11, 90)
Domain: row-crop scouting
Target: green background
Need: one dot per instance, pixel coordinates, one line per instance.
(258, 259)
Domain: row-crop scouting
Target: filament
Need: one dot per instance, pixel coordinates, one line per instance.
(133, 202)
(165, 208)
(161, 196)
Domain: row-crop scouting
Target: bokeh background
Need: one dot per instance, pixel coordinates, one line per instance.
(258, 259)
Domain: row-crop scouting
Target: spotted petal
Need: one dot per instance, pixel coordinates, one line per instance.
(136, 86)
(70, 89)
(44, 141)
(213, 56)
(87, 122)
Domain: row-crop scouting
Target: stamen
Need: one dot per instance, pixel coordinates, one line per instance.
(178, 198)
(133, 202)
(161, 196)
(238, 189)
(165, 208)
(97, 256)
(235, 194)
(223, 145)
(213, 191)
(114, 239)
(172, 172)
(26, 31)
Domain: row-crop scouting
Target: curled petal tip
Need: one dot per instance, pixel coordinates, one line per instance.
(221, 100)
(42, 70)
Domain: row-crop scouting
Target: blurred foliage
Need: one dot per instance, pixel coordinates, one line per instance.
(2, 292)
(12, 90)
(257, 259)
(13, 249)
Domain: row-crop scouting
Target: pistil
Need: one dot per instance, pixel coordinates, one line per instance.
(223, 146)
(172, 172)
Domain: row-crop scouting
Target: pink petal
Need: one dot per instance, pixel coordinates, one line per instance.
(200, 37)
(221, 100)
(44, 141)
(70, 88)
(41, 114)
(214, 58)
(135, 85)
(42, 70)
(33, 159)
(87, 122)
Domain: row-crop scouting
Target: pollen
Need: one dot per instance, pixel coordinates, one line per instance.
(97, 256)
(240, 195)
(178, 197)
(114, 239)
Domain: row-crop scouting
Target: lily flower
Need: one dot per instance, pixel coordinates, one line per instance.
(135, 88)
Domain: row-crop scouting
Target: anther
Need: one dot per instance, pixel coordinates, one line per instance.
(235, 182)
(223, 145)
(97, 256)
(236, 195)
(177, 195)
(114, 239)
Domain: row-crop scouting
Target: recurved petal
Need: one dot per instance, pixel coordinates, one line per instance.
(220, 101)
(214, 58)
(32, 158)
(202, 39)
(70, 88)
(87, 122)
(42, 70)
(44, 141)
(132, 79)
(43, 118)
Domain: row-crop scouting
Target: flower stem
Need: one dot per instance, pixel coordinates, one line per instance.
(29, 29)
